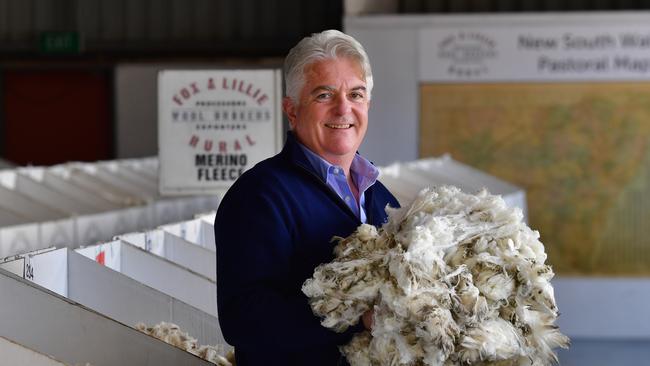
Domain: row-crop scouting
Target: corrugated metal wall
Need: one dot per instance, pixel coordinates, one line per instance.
(475, 6)
(221, 27)
(161, 26)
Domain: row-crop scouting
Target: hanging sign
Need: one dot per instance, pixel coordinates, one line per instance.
(530, 52)
(215, 124)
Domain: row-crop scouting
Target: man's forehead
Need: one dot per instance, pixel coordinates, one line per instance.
(321, 88)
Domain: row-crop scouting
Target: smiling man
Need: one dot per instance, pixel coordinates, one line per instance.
(275, 224)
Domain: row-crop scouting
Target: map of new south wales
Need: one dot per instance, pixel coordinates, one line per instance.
(580, 150)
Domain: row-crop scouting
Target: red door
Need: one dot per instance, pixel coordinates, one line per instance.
(52, 117)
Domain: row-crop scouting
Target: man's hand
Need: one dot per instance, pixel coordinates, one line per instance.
(368, 319)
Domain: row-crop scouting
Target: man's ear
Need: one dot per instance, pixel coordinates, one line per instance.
(290, 110)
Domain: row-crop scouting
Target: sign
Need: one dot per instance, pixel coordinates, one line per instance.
(215, 124)
(534, 53)
(60, 42)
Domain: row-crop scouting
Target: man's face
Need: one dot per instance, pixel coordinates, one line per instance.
(331, 116)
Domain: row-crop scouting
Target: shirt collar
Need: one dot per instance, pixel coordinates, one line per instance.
(363, 172)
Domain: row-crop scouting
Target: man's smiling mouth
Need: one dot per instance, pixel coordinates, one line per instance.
(338, 126)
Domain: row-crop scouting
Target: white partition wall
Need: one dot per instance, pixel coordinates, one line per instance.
(198, 231)
(21, 182)
(158, 273)
(8, 218)
(175, 249)
(58, 183)
(17, 354)
(50, 324)
(130, 302)
(111, 293)
(27, 207)
(106, 189)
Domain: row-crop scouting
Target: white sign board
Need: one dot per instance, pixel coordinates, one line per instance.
(215, 124)
(527, 52)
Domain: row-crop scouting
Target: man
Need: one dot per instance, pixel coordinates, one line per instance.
(275, 224)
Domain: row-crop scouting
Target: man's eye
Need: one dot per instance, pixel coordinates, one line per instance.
(323, 96)
(357, 96)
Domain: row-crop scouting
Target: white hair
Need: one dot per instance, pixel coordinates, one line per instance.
(329, 44)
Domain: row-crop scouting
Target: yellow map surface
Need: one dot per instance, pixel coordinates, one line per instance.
(581, 151)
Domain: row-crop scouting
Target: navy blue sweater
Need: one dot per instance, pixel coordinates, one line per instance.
(272, 228)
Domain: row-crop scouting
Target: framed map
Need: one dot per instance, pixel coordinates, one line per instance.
(581, 151)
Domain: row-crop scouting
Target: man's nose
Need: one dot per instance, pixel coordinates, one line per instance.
(343, 105)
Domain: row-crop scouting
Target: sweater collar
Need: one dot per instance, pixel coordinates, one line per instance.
(294, 153)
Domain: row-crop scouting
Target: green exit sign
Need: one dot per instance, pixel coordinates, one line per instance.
(60, 42)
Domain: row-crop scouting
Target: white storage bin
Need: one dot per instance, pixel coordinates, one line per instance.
(158, 273)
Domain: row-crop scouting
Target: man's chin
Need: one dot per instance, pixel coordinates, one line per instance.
(341, 152)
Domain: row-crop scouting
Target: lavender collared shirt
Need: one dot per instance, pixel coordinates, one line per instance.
(364, 175)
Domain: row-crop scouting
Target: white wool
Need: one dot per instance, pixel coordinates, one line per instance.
(495, 286)
(452, 278)
(493, 340)
(172, 334)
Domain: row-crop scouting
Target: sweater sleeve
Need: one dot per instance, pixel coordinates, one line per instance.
(257, 310)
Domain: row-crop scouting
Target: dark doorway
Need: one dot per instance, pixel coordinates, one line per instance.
(56, 116)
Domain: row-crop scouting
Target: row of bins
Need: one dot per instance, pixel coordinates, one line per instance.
(82, 267)
(149, 277)
(77, 204)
